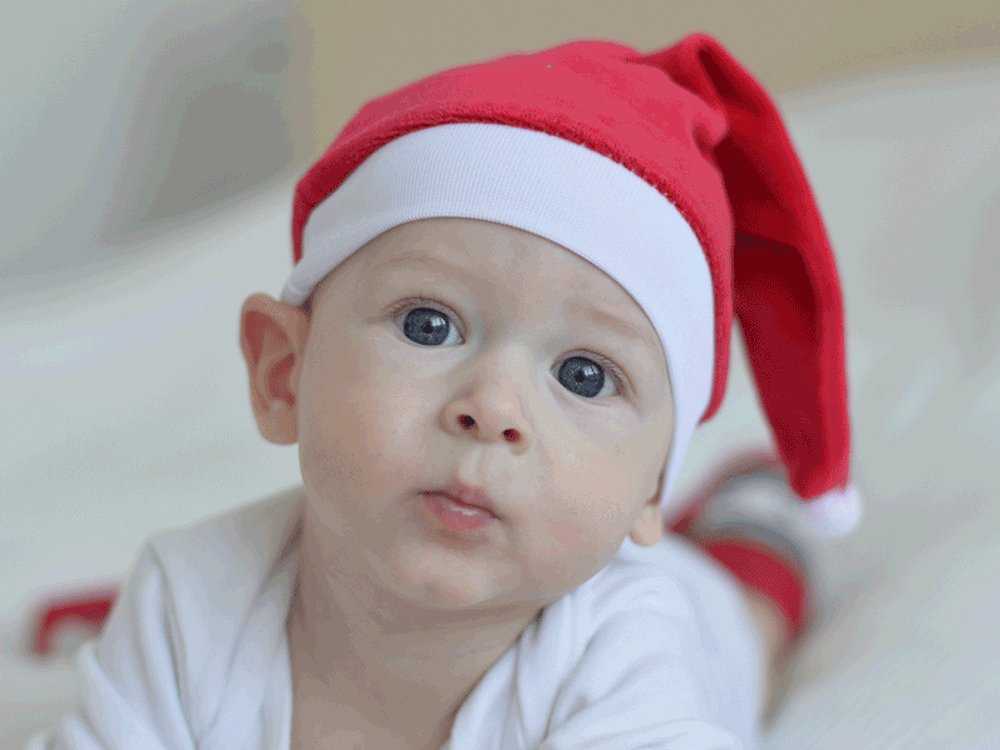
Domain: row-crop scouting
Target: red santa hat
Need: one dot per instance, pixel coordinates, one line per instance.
(671, 171)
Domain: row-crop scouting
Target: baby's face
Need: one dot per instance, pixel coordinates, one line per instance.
(445, 318)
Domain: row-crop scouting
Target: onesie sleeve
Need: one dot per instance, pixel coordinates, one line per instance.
(129, 683)
(641, 683)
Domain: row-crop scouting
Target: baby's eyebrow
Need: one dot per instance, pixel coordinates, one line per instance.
(431, 264)
(578, 306)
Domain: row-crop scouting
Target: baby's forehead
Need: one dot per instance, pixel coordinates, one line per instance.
(478, 249)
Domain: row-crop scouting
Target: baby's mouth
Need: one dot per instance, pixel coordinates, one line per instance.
(456, 515)
(469, 496)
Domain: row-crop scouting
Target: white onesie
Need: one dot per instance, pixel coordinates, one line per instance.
(654, 651)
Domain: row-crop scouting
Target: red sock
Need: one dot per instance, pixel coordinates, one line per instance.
(765, 571)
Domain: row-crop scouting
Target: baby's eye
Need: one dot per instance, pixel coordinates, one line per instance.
(427, 326)
(583, 375)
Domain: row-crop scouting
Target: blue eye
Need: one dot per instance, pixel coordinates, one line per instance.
(426, 326)
(580, 374)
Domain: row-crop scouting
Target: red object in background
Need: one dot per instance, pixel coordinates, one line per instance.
(92, 609)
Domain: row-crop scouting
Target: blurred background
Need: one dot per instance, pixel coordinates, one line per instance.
(148, 154)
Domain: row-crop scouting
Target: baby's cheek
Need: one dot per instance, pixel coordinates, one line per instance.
(567, 554)
(565, 534)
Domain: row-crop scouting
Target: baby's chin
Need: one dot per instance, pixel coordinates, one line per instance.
(437, 576)
(440, 580)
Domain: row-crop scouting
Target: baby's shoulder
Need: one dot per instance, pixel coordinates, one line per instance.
(237, 545)
(631, 576)
(207, 596)
(671, 577)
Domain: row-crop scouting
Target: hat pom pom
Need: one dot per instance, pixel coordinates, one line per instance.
(835, 513)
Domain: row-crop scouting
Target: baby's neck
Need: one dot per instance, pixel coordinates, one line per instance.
(330, 711)
(388, 669)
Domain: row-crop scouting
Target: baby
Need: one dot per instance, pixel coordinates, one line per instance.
(510, 308)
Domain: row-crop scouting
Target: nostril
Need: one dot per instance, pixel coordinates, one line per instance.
(509, 434)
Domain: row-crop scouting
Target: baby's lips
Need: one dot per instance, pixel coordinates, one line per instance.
(469, 495)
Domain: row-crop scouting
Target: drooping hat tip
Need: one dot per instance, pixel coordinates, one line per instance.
(837, 512)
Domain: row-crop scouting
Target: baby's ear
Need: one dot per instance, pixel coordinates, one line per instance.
(648, 527)
(273, 338)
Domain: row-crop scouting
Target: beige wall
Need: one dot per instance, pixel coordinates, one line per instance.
(362, 48)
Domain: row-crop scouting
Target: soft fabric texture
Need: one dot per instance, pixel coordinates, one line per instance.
(689, 121)
(655, 651)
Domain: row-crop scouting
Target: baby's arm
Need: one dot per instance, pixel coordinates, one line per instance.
(128, 679)
(642, 682)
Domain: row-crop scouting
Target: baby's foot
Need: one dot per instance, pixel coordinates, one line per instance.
(753, 524)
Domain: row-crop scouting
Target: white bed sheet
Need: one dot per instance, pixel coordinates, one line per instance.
(127, 412)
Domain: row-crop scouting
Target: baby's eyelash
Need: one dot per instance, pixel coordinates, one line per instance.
(624, 384)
